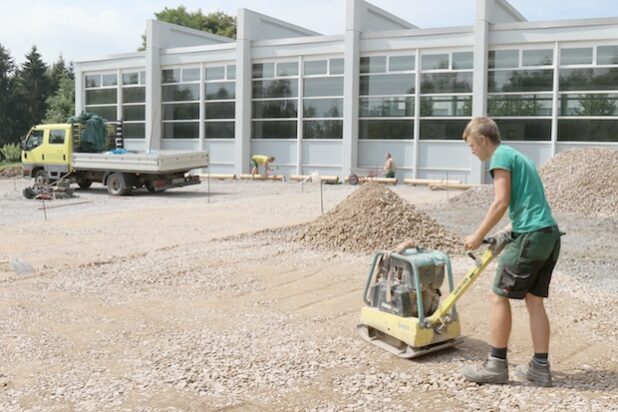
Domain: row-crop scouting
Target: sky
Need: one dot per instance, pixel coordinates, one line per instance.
(80, 29)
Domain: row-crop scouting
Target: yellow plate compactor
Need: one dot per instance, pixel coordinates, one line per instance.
(403, 312)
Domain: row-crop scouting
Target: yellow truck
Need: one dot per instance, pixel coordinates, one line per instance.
(62, 151)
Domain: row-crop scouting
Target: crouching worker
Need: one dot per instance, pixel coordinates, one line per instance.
(526, 263)
(261, 160)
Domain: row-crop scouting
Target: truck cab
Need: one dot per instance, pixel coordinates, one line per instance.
(46, 151)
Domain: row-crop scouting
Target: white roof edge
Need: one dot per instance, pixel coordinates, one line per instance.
(389, 16)
(119, 56)
(417, 32)
(194, 32)
(299, 40)
(555, 23)
(507, 7)
(199, 49)
(281, 23)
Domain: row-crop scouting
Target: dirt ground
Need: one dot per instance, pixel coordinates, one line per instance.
(171, 302)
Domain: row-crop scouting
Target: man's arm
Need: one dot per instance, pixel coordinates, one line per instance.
(502, 197)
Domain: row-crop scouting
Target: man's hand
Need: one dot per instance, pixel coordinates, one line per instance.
(473, 241)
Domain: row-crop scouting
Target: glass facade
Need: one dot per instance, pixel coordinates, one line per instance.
(520, 93)
(220, 101)
(445, 95)
(386, 97)
(101, 95)
(323, 99)
(180, 103)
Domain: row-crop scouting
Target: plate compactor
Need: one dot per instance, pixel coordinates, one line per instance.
(403, 312)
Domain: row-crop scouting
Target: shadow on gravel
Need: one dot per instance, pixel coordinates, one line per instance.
(172, 193)
(591, 380)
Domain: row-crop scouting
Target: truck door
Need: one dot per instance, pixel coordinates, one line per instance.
(57, 149)
(33, 147)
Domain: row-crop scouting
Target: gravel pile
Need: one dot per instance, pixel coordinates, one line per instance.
(583, 181)
(374, 217)
(12, 171)
(478, 197)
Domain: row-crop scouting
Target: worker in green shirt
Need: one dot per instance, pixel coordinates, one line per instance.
(527, 262)
(261, 160)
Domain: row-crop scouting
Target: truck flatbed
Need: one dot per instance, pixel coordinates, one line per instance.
(162, 161)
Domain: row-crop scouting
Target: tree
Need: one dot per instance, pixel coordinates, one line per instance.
(217, 22)
(33, 87)
(7, 94)
(61, 105)
(58, 71)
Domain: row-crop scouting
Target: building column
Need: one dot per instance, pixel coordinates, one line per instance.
(242, 134)
(479, 81)
(351, 68)
(555, 99)
(79, 90)
(153, 86)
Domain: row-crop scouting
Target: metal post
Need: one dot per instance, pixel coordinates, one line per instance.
(321, 197)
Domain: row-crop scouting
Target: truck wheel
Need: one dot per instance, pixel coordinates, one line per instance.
(84, 183)
(116, 185)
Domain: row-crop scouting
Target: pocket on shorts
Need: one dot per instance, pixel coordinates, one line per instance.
(515, 279)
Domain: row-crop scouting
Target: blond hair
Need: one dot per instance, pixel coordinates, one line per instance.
(482, 126)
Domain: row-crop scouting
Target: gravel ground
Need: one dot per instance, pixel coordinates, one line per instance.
(189, 301)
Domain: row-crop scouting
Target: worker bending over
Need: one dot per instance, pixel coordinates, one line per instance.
(261, 160)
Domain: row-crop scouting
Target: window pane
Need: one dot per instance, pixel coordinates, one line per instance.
(275, 88)
(520, 105)
(231, 72)
(323, 86)
(220, 110)
(588, 131)
(142, 77)
(323, 108)
(181, 130)
(387, 84)
(503, 59)
(521, 81)
(434, 61)
(219, 130)
(191, 75)
(274, 130)
(220, 91)
(375, 64)
(589, 105)
(447, 83)
(130, 113)
(170, 76)
(133, 94)
(263, 70)
(598, 79)
(442, 129)
(134, 130)
(189, 111)
(387, 107)
(130, 78)
(93, 80)
(106, 112)
(102, 96)
(446, 106)
(525, 129)
(287, 69)
(462, 60)
(56, 136)
(275, 109)
(576, 56)
(386, 129)
(214, 73)
(179, 93)
(607, 55)
(336, 66)
(538, 57)
(322, 129)
(401, 63)
(316, 67)
(110, 80)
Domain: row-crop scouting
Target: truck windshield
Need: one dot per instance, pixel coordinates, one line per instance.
(35, 139)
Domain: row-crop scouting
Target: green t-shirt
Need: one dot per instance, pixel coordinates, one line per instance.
(528, 208)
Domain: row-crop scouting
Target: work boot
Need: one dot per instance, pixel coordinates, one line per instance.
(493, 370)
(535, 372)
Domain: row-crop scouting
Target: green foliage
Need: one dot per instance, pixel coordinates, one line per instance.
(217, 22)
(11, 152)
(7, 94)
(61, 105)
(33, 89)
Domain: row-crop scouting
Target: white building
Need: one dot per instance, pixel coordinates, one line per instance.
(338, 103)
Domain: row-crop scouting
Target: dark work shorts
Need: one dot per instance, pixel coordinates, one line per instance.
(390, 175)
(527, 263)
(253, 164)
